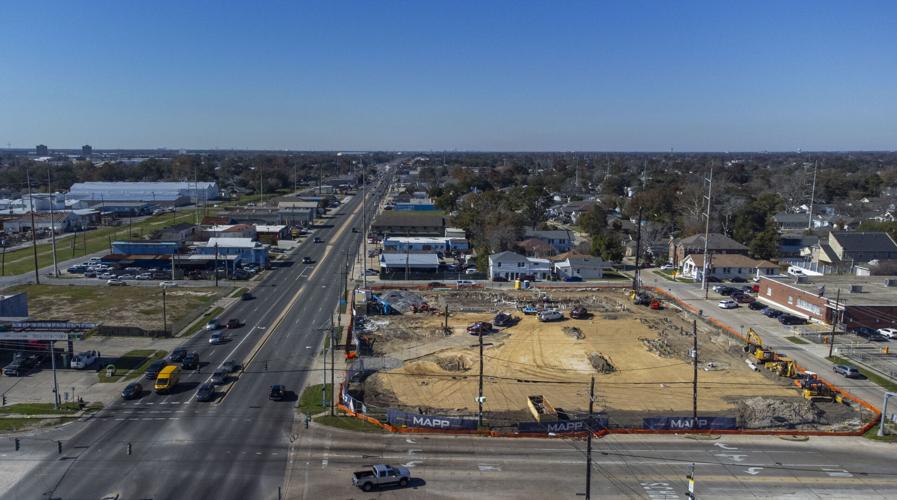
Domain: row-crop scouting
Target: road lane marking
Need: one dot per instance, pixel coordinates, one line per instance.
(754, 470)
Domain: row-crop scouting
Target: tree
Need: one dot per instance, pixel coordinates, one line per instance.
(594, 221)
(765, 245)
(608, 246)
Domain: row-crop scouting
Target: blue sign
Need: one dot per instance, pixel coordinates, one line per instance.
(564, 426)
(688, 423)
(398, 417)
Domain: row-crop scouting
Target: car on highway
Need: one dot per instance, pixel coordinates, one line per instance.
(190, 361)
(790, 319)
(115, 282)
(167, 284)
(381, 475)
(890, 333)
(232, 365)
(318, 240)
(216, 338)
(219, 376)
(551, 315)
(213, 325)
(771, 313)
(247, 296)
(84, 359)
(152, 371)
(167, 379)
(727, 304)
(177, 355)
(234, 323)
(307, 260)
(132, 391)
(479, 328)
(756, 306)
(847, 371)
(278, 392)
(205, 392)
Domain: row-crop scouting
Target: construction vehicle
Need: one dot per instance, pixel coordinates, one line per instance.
(754, 347)
(543, 411)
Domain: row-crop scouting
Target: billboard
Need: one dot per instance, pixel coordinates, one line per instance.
(688, 423)
(398, 417)
(564, 426)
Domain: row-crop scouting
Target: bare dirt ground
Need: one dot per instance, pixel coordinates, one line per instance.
(639, 357)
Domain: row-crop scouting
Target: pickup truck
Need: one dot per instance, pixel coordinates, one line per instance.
(381, 475)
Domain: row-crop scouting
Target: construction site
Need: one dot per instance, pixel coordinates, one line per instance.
(420, 352)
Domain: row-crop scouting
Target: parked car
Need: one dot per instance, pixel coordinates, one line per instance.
(579, 312)
(213, 325)
(869, 334)
(464, 283)
(742, 298)
(371, 272)
(552, 315)
(219, 376)
(572, 279)
(530, 310)
(21, 364)
(144, 277)
(106, 276)
(216, 338)
(504, 319)
(318, 240)
(381, 475)
(115, 282)
(499, 279)
(278, 392)
(84, 359)
(712, 279)
(126, 276)
(890, 333)
(728, 304)
(167, 284)
(479, 328)
(152, 371)
(756, 306)
(190, 361)
(847, 371)
(435, 284)
(132, 391)
(771, 313)
(738, 279)
(667, 267)
(470, 270)
(205, 392)
(789, 319)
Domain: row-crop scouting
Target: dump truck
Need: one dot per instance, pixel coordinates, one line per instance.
(381, 475)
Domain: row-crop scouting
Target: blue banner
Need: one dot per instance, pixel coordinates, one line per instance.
(564, 426)
(398, 417)
(688, 423)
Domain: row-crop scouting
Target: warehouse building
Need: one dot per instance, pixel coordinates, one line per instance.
(156, 192)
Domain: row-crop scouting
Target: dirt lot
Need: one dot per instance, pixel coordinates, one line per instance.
(640, 359)
(119, 306)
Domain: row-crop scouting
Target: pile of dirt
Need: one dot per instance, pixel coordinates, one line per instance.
(574, 332)
(402, 300)
(601, 363)
(769, 413)
(460, 362)
(658, 346)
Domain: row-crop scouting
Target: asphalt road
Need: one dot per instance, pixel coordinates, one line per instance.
(642, 466)
(234, 448)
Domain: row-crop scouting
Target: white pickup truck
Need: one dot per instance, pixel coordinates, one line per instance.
(84, 359)
(381, 475)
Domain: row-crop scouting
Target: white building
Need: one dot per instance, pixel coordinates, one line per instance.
(727, 266)
(145, 191)
(511, 266)
(587, 268)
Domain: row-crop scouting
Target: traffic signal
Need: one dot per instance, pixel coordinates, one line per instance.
(17, 444)
(59, 446)
(129, 448)
(4, 400)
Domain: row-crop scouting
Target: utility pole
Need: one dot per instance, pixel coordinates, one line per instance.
(164, 312)
(831, 344)
(55, 384)
(52, 222)
(33, 226)
(216, 265)
(638, 248)
(364, 229)
(812, 196)
(691, 483)
(694, 385)
(708, 181)
(480, 397)
(589, 442)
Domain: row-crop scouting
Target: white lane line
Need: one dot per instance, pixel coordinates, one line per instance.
(231, 353)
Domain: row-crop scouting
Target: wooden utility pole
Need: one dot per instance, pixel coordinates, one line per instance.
(480, 397)
(831, 344)
(694, 388)
(33, 227)
(589, 441)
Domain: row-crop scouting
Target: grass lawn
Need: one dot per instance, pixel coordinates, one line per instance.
(796, 340)
(40, 409)
(348, 423)
(874, 377)
(891, 437)
(22, 260)
(310, 402)
(18, 424)
(200, 322)
(613, 275)
(120, 306)
(131, 365)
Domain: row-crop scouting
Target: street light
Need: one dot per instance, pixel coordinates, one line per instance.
(884, 412)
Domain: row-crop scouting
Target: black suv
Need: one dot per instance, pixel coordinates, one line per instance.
(152, 371)
(787, 319)
(177, 355)
(206, 392)
(190, 361)
(21, 364)
(278, 392)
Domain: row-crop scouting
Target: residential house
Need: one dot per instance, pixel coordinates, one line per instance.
(726, 266)
(791, 222)
(843, 250)
(792, 244)
(585, 267)
(716, 244)
(560, 240)
(511, 266)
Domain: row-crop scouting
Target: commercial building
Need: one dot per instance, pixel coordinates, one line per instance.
(124, 208)
(155, 192)
(145, 247)
(14, 306)
(86, 150)
(41, 150)
(248, 251)
(393, 223)
(424, 244)
(231, 231)
(271, 233)
(59, 222)
(394, 265)
(860, 301)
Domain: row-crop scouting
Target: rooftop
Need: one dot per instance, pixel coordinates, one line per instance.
(233, 243)
(419, 219)
(730, 260)
(411, 259)
(716, 241)
(867, 290)
(865, 242)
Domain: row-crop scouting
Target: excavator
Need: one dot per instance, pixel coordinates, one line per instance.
(754, 347)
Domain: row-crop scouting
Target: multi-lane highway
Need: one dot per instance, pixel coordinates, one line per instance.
(233, 448)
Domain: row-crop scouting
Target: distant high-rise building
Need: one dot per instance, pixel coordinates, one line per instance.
(42, 150)
(86, 150)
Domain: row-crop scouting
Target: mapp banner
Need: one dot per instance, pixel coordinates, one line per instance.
(398, 417)
(563, 426)
(687, 423)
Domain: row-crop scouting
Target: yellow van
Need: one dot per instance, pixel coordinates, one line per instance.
(167, 379)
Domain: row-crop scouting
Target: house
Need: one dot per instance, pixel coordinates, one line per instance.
(511, 266)
(726, 266)
(248, 251)
(791, 244)
(573, 210)
(587, 268)
(716, 244)
(394, 265)
(791, 222)
(181, 232)
(560, 240)
(843, 250)
(393, 223)
(856, 301)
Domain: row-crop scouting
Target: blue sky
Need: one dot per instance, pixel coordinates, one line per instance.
(516, 75)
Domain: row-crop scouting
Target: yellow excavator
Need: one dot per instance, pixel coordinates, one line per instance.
(754, 347)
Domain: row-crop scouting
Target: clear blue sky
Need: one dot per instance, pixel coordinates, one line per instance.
(481, 75)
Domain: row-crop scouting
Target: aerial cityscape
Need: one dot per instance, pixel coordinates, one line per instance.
(448, 250)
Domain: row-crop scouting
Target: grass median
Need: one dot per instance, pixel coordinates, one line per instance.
(19, 424)
(348, 423)
(311, 401)
(131, 365)
(796, 340)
